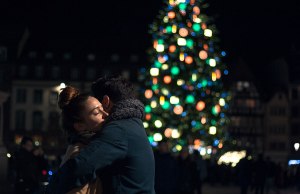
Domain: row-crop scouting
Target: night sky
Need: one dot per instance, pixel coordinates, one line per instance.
(256, 31)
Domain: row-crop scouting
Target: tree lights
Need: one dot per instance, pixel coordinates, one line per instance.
(184, 79)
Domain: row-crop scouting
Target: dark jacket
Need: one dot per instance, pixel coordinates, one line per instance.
(26, 172)
(120, 154)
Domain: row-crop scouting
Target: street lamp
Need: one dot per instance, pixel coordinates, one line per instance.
(59, 87)
(296, 146)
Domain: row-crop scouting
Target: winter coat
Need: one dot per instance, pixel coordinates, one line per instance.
(120, 155)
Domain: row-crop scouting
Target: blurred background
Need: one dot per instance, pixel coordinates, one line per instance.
(46, 45)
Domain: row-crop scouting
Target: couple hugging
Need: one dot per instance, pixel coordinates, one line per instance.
(109, 151)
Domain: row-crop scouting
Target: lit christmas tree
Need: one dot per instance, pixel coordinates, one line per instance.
(185, 101)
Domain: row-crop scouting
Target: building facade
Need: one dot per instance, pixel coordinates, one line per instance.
(277, 127)
(246, 117)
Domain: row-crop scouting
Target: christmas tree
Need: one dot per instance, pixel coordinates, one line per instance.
(185, 101)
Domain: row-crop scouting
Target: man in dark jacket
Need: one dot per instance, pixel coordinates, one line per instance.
(26, 168)
(120, 154)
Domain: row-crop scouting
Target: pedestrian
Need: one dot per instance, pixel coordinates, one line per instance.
(42, 167)
(259, 174)
(244, 172)
(166, 169)
(187, 173)
(26, 180)
(120, 154)
(201, 170)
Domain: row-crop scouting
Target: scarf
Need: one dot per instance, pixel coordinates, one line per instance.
(125, 109)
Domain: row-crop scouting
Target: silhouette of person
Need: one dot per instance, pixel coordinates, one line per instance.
(201, 170)
(26, 168)
(166, 169)
(260, 173)
(244, 172)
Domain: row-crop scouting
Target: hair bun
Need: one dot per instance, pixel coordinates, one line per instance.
(66, 96)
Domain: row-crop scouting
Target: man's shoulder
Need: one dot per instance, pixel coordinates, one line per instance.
(123, 123)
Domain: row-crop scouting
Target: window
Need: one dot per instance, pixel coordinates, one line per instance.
(22, 71)
(90, 74)
(39, 72)
(38, 96)
(37, 120)
(279, 146)
(134, 58)
(67, 56)
(55, 72)
(32, 54)
(236, 121)
(20, 119)
(281, 111)
(74, 73)
(49, 55)
(21, 96)
(115, 58)
(277, 130)
(91, 57)
(295, 111)
(53, 98)
(250, 103)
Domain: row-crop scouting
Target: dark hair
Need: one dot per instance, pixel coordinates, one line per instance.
(70, 101)
(116, 87)
(26, 139)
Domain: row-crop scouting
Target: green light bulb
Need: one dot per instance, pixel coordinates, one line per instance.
(166, 105)
(169, 29)
(213, 122)
(175, 70)
(150, 138)
(147, 109)
(154, 87)
(214, 111)
(182, 6)
(204, 83)
(189, 43)
(157, 64)
(190, 99)
(196, 27)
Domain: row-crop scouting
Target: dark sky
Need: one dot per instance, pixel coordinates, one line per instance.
(258, 30)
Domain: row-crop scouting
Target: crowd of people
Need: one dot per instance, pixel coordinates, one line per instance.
(180, 174)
